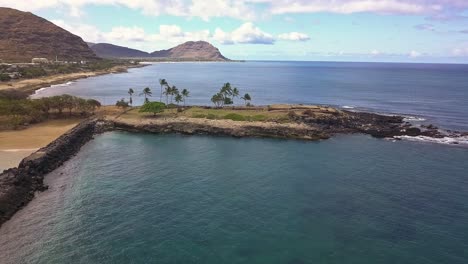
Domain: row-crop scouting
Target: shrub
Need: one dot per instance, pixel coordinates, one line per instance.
(235, 117)
(257, 118)
(32, 72)
(292, 115)
(122, 103)
(4, 77)
(308, 112)
(198, 116)
(13, 94)
(212, 116)
(153, 107)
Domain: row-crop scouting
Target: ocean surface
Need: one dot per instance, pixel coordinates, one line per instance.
(140, 198)
(437, 93)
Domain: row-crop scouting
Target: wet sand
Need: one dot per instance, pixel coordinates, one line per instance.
(18, 144)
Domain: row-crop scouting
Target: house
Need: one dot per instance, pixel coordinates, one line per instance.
(40, 61)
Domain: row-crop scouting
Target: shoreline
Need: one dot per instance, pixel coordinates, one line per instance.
(31, 85)
(312, 123)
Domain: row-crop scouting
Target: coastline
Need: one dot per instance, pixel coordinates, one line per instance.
(309, 123)
(18, 144)
(30, 85)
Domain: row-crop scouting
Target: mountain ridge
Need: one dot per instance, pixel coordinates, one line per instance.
(25, 36)
(190, 50)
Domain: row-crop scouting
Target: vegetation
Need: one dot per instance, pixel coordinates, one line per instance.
(246, 99)
(185, 94)
(122, 104)
(17, 110)
(4, 77)
(130, 92)
(162, 82)
(146, 92)
(226, 96)
(153, 107)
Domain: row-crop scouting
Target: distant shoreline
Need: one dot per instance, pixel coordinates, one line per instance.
(31, 85)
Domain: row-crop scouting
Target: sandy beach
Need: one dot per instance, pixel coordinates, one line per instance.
(32, 84)
(18, 144)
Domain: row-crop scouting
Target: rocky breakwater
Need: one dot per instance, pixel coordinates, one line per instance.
(191, 126)
(18, 185)
(376, 125)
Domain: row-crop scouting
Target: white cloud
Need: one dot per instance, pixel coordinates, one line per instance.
(375, 52)
(414, 54)
(460, 51)
(247, 33)
(248, 10)
(294, 36)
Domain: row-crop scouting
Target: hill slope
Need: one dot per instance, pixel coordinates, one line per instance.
(105, 50)
(24, 36)
(198, 50)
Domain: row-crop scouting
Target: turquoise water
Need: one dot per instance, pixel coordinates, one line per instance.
(139, 198)
(435, 92)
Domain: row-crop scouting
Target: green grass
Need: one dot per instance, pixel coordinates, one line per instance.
(222, 113)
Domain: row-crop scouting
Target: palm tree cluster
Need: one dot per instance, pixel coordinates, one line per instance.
(169, 91)
(226, 96)
(172, 92)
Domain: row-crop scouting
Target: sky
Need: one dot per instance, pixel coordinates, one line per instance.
(305, 30)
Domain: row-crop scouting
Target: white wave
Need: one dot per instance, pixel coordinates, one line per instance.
(62, 84)
(40, 90)
(17, 150)
(413, 119)
(347, 107)
(462, 140)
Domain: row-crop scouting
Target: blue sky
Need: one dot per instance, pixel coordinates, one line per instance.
(333, 30)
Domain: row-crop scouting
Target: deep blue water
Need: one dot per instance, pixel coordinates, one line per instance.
(436, 92)
(138, 198)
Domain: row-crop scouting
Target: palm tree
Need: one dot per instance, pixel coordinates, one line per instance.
(146, 92)
(185, 94)
(173, 91)
(178, 98)
(218, 99)
(167, 92)
(131, 92)
(246, 98)
(162, 82)
(234, 93)
(226, 90)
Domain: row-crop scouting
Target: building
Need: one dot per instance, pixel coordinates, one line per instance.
(40, 60)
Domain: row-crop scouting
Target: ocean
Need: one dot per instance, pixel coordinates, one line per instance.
(430, 93)
(142, 198)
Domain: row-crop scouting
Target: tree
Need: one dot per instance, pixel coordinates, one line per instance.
(185, 94)
(173, 91)
(93, 104)
(153, 107)
(131, 92)
(122, 104)
(178, 98)
(226, 90)
(234, 94)
(69, 102)
(146, 92)
(246, 98)
(167, 92)
(218, 99)
(162, 82)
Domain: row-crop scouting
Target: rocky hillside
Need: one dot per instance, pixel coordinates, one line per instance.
(191, 50)
(24, 36)
(197, 50)
(105, 50)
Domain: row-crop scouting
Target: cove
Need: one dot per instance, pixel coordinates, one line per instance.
(142, 198)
